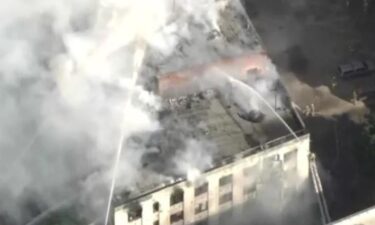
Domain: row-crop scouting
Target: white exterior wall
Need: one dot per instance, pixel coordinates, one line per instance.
(121, 216)
(303, 159)
(213, 200)
(189, 204)
(147, 212)
(365, 217)
(238, 186)
(212, 177)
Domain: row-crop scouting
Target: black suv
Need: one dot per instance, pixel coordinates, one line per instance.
(356, 69)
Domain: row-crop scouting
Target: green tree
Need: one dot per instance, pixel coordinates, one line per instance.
(366, 152)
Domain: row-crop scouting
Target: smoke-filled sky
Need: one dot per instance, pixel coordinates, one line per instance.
(65, 74)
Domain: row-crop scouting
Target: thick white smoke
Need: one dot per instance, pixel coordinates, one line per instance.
(320, 101)
(65, 73)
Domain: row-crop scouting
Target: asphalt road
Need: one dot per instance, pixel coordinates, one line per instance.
(307, 40)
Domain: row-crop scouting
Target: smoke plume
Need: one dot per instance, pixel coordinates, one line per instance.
(65, 74)
(67, 71)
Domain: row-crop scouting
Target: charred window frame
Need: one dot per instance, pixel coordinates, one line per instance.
(156, 207)
(177, 196)
(226, 180)
(202, 189)
(177, 217)
(135, 212)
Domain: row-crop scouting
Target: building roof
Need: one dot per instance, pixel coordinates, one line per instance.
(217, 128)
(205, 112)
(210, 113)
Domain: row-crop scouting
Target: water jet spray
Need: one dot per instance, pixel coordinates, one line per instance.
(138, 58)
(234, 81)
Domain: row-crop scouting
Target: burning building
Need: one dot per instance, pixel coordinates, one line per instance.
(230, 139)
(252, 153)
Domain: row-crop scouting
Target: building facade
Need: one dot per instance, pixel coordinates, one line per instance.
(273, 170)
(231, 183)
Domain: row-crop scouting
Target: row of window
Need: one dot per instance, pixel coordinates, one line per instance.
(178, 195)
(202, 189)
(173, 218)
(201, 207)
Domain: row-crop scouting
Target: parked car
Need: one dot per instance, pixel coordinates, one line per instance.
(356, 69)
